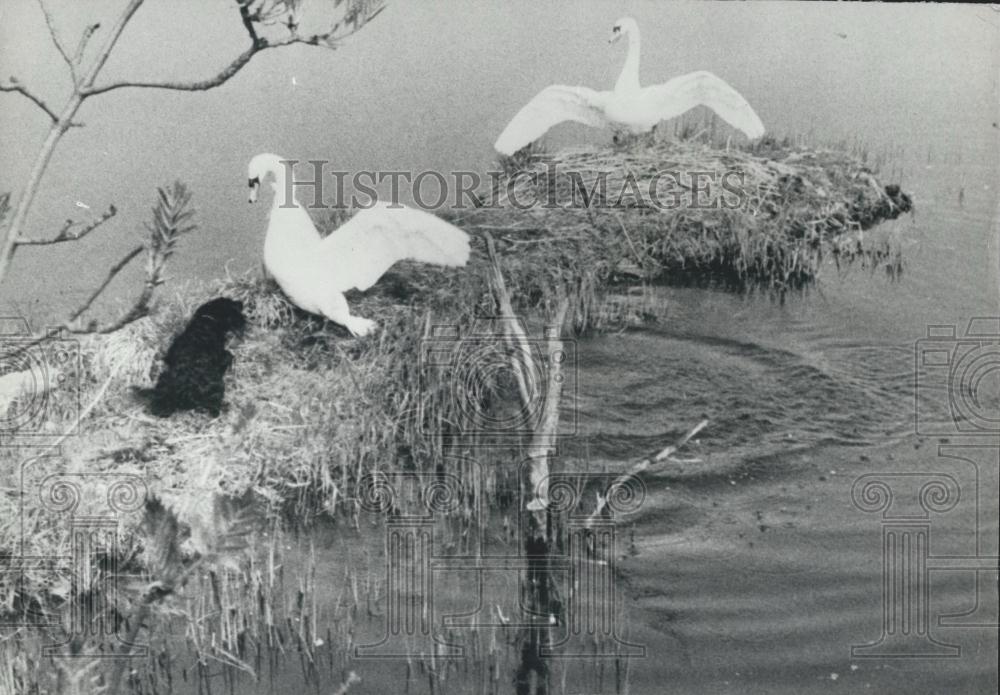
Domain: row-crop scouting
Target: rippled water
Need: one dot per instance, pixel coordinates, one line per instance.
(753, 571)
(644, 388)
(748, 568)
(751, 566)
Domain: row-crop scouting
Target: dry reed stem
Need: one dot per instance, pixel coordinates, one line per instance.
(643, 465)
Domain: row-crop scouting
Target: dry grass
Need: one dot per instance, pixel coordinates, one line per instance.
(768, 218)
(310, 410)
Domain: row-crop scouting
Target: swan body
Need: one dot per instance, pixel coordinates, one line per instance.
(629, 105)
(25, 386)
(315, 271)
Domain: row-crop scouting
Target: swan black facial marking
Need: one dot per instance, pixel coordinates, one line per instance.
(616, 28)
(254, 182)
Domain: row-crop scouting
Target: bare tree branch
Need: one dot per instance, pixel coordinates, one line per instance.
(238, 63)
(623, 479)
(55, 40)
(66, 233)
(15, 86)
(60, 124)
(248, 21)
(328, 39)
(171, 219)
(81, 46)
(543, 437)
(109, 45)
(253, 14)
(513, 331)
(112, 273)
(542, 446)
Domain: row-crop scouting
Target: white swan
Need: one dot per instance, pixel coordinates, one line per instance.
(315, 271)
(637, 108)
(25, 386)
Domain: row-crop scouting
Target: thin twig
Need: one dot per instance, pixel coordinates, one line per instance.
(65, 234)
(238, 63)
(15, 86)
(248, 21)
(107, 48)
(55, 40)
(171, 218)
(328, 39)
(641, 466)
(352, 678)
(670, 450)
(139, 309)
(81, 45)
(357, 15)
(112, 273)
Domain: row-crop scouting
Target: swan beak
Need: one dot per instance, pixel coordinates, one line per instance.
(616, 34)
(254, 184)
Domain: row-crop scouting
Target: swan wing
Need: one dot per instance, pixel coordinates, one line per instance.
(676, 96)
(362, 249)
(550, 106)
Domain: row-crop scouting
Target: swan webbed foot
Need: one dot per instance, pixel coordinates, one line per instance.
(359, 326)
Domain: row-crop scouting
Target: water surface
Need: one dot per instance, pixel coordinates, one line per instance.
(752, 571)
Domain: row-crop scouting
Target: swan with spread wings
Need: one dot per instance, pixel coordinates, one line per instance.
(629, 105)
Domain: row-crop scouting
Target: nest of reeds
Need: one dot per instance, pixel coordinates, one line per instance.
(310, 411)
(683, 211)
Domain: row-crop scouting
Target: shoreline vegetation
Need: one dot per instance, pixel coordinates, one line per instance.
(312, 413)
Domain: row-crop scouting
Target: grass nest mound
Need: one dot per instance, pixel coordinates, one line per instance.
(310, 410)
(683, 211)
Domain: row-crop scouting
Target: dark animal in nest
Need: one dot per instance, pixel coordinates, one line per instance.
(197, 360)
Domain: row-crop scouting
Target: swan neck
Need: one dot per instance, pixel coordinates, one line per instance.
(280, 188)
(628, 81)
